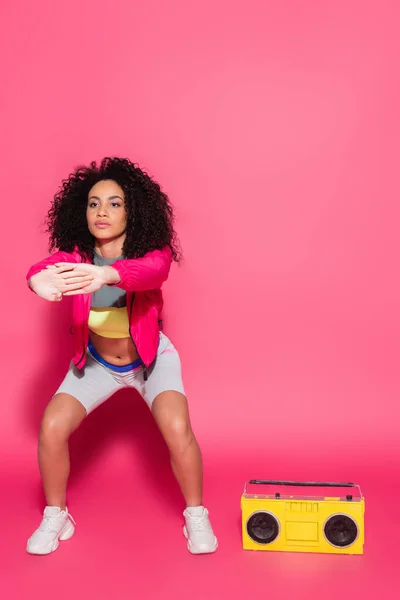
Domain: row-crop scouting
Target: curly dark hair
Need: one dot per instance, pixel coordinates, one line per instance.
(150, 218)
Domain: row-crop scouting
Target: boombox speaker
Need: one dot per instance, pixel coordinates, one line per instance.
(322, 523)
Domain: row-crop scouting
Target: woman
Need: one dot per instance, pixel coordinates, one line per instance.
(113, 228)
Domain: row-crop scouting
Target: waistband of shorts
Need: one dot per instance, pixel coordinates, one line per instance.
(117, 368)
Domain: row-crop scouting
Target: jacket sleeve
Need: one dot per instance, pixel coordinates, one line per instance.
(146, 273)
(52, 260)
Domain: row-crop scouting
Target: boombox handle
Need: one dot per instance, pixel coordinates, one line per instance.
(301, 483)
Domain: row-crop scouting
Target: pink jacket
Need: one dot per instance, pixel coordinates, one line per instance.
(142, 279)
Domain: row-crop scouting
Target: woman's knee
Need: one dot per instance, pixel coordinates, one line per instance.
(179, 434)
(53, 430)
(60, 419)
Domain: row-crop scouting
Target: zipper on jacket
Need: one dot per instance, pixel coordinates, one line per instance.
(145, 375)
(71, 330)
(81, 358)
(84, 346)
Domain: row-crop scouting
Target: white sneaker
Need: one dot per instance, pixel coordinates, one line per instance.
(198, 531)
(56, 525)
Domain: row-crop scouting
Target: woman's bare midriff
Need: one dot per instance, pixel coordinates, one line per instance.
(117, 351)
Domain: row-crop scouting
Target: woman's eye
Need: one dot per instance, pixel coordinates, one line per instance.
(92, 204)
(115, 204)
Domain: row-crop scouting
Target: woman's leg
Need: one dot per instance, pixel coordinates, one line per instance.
(170, 410)
(61, 418)
(164, 392)
(171, 413)
(63, 415)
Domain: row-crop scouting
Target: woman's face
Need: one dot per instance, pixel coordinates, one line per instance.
(105, 213)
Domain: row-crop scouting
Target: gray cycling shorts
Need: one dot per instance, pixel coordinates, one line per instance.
(95, 383)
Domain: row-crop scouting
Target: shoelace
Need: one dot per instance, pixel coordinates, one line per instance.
(47, 523)
(199, 523)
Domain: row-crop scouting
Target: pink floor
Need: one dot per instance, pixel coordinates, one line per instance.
(129, 542)
(273, 125)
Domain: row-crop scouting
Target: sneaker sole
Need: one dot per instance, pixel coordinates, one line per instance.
(193, 550)
(65, 534)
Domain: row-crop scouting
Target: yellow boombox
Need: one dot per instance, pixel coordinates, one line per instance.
(326, 524)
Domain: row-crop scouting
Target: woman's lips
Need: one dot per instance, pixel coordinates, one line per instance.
(101, 225)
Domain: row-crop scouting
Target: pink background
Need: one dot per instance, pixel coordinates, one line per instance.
(274, 128)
